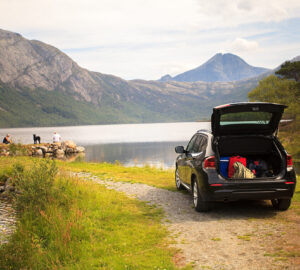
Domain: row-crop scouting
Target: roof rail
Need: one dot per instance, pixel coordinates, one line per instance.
(204, 130)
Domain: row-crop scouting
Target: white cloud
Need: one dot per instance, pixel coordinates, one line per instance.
(235, 12)
(243, 45)
(145, 38)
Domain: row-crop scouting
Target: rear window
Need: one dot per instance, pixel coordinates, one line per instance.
(242, 118)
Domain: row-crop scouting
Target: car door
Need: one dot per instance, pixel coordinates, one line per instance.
(193, 152)
(181, 161)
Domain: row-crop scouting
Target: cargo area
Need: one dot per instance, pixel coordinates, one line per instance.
(260, 154)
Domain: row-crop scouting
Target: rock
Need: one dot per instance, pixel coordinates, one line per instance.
(38, 152)
(43, 148)
(68, 144)
(59, 153)
(80, 149)
(70, 150)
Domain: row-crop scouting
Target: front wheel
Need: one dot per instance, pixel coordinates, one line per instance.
(200, 205)
(179, 186)
(281, 204)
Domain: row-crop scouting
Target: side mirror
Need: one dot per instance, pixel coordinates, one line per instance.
(179, 149)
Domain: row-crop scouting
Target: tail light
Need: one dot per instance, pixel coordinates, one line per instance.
(209, 163)
(289, 162)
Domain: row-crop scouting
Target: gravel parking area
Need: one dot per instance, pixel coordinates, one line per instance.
(235, 235)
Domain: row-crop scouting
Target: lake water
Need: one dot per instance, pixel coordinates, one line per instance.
(131, 144)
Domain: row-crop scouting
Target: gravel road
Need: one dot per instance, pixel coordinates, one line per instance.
(235, 235)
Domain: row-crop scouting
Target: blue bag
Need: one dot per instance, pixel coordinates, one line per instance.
(224, 162)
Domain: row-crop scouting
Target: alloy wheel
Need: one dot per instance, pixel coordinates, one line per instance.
(195, 194)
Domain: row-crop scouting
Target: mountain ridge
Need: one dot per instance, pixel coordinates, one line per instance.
(222, 68)
(42, 86)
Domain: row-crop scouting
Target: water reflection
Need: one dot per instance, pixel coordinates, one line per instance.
(159, 154)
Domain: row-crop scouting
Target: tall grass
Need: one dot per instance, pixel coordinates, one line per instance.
(66, 223)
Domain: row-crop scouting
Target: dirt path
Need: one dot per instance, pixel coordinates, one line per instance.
(238, 235)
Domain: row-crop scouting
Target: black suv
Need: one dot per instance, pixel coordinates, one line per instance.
(240, 129)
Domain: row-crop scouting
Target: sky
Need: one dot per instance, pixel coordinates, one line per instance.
(146, 39)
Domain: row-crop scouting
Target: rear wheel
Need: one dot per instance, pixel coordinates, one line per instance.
(179, 186)
(200, 205)
(281, 204)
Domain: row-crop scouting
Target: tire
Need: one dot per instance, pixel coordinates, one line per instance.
(178, 184)
(199, 204)
(281, 204)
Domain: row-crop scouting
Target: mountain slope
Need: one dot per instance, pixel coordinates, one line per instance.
(42, 86)
(222, 68)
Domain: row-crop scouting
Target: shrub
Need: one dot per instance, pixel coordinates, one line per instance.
(35, 187)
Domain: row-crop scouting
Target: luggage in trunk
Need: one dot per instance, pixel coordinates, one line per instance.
(262, 154)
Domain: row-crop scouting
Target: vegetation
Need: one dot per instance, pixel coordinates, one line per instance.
(284, 90)
(117, 172)
(65, 223)
(55, 108)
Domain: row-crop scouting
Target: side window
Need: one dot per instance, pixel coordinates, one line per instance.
(197, 144)
(203, 144)
(191, 144)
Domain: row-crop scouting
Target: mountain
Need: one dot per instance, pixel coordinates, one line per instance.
(220, 68)
(42, 86)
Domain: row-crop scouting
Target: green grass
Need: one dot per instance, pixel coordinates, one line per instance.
(296, 197)
(117, 172)
(291, 142)
(66, 223)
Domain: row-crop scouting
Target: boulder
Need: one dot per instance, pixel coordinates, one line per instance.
(59, 153)
(43, 148)
(80, 149)
(56, 145)
(38, 152)
(70, 150)
(68, 144)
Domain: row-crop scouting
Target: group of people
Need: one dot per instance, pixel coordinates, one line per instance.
(36, 139)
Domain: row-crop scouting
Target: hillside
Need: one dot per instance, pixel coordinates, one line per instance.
(42, 86)
(220, 68)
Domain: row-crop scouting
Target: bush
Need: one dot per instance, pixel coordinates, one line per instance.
(35, 187)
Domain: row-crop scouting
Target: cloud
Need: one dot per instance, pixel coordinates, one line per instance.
(243, 45)
(148, 38)
(235, 12)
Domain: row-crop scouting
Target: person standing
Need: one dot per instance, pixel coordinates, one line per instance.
(56, 137)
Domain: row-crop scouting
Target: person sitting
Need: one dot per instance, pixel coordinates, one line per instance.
(36, 139)
(7, 139)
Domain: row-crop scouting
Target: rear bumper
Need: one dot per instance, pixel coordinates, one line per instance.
(251, 194)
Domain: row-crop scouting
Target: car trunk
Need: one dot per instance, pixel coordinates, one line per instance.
(247, 130)
(262, 149)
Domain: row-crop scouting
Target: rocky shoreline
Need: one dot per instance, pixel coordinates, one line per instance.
(56, 150)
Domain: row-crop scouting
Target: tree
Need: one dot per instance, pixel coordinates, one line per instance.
(276, 90)
(290, 70)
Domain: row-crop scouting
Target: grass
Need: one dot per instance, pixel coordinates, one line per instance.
(216, 239)
(245, 237)
(66, 223)
(296, 197)
(117, 172)
(291, 142)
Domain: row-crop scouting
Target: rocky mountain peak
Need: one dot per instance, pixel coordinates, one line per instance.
(221, 67)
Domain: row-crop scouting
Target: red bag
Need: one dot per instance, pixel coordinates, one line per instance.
(232, 160)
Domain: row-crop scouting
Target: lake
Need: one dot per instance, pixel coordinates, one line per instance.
(131, 144)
